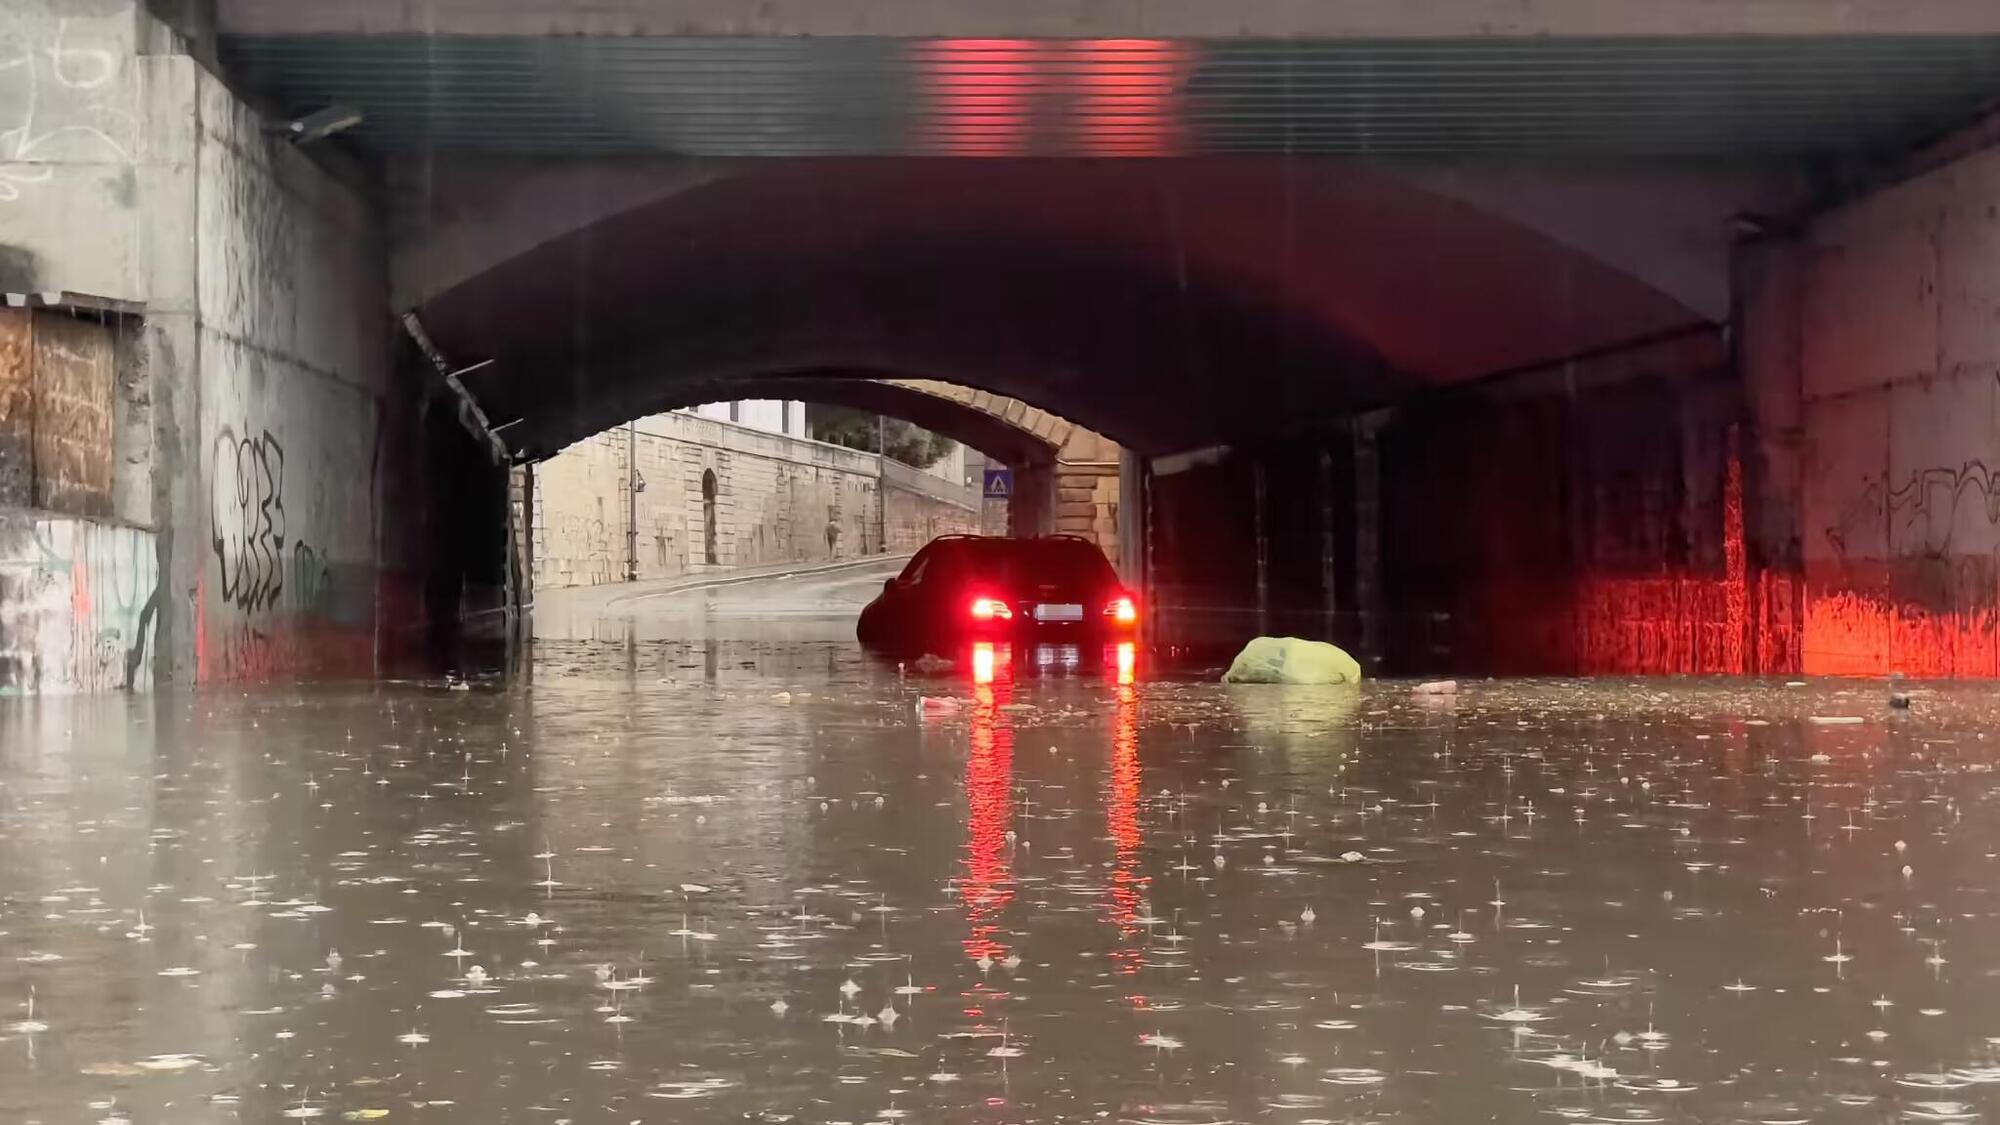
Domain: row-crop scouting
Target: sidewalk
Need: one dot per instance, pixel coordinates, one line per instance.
(615, 595)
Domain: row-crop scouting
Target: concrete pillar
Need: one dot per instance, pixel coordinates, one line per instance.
(1767, 340)
(1032, 511)
(522, 513)
(1368, 592)
(259, 452)
(1133, 565)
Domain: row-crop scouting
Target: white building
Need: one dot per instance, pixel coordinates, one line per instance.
(784, 417)
(773, 415)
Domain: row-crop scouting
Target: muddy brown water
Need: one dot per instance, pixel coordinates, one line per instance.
(739, 879)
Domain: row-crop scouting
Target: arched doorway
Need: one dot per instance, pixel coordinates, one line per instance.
(708, 516)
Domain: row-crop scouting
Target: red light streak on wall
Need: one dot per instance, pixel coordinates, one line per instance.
(989, 795)
(1850, 632)
(1735, 565)
(1678, 624)
(976, 95)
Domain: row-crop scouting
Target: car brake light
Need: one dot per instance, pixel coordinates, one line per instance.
(991, 609)
(1122, 610)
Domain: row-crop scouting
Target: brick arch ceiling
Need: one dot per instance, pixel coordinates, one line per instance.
(1165, 305)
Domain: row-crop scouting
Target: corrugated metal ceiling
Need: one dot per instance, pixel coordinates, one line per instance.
(1739, 99)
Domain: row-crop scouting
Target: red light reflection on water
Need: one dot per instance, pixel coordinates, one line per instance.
(1122, 814)
(989, 792)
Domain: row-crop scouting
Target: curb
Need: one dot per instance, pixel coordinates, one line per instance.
(739, 579)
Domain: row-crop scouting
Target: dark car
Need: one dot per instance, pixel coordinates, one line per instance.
(1054, 591)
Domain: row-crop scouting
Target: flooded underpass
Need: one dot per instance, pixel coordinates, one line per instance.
(733, 878)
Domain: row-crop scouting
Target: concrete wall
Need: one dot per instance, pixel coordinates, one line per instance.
(776, 499)
(1897, 353)
(1582, 519)
(79, 600)
(292, 287)
(1162, 18)
(1582, 529)
(258, 373)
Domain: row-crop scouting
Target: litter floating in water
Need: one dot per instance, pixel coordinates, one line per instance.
(1289, 660)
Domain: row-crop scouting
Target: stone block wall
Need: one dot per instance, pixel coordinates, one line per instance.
(718, 496)
(1087, 489)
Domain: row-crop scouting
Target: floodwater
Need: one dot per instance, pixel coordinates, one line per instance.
(745, 877)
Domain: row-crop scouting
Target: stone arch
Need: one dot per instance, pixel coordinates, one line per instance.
(1165, 306)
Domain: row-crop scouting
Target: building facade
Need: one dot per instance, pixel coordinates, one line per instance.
(690, 493)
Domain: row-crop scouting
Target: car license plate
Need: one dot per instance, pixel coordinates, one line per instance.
(1058, 613)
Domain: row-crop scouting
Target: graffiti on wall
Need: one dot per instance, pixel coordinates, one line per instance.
(1911, 581)
(62, 93)
(1920, 515)
(269, 604)
(79, 606)
(247, 519)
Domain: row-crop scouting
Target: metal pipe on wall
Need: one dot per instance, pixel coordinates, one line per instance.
(632, 500)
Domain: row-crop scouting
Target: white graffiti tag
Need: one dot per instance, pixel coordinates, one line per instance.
(65, 97)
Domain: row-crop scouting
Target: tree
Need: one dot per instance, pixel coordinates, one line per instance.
(909, 443)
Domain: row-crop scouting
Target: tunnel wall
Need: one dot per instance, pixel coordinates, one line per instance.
(778, 499)
(295, 374)
(254, 399)
(1594, 531)
(1887, 376)
(79, 588)
(1582, 519)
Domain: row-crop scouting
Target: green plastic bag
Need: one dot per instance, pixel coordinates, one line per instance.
(1289, 660)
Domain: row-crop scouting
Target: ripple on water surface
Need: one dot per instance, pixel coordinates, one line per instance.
(763, 879)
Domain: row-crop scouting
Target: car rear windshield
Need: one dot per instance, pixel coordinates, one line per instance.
(1025, 562)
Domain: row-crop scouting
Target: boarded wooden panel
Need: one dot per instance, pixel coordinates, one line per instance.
(17, 409)
(73, 390)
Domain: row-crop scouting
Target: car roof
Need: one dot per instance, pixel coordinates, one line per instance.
(998, 541)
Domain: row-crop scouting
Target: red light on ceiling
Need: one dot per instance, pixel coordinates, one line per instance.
(1126, 95)
(975, 94)
(1095, 97)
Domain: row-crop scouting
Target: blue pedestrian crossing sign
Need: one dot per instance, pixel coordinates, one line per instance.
(999, 483)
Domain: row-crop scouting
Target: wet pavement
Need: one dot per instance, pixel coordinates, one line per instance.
(696, 868)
